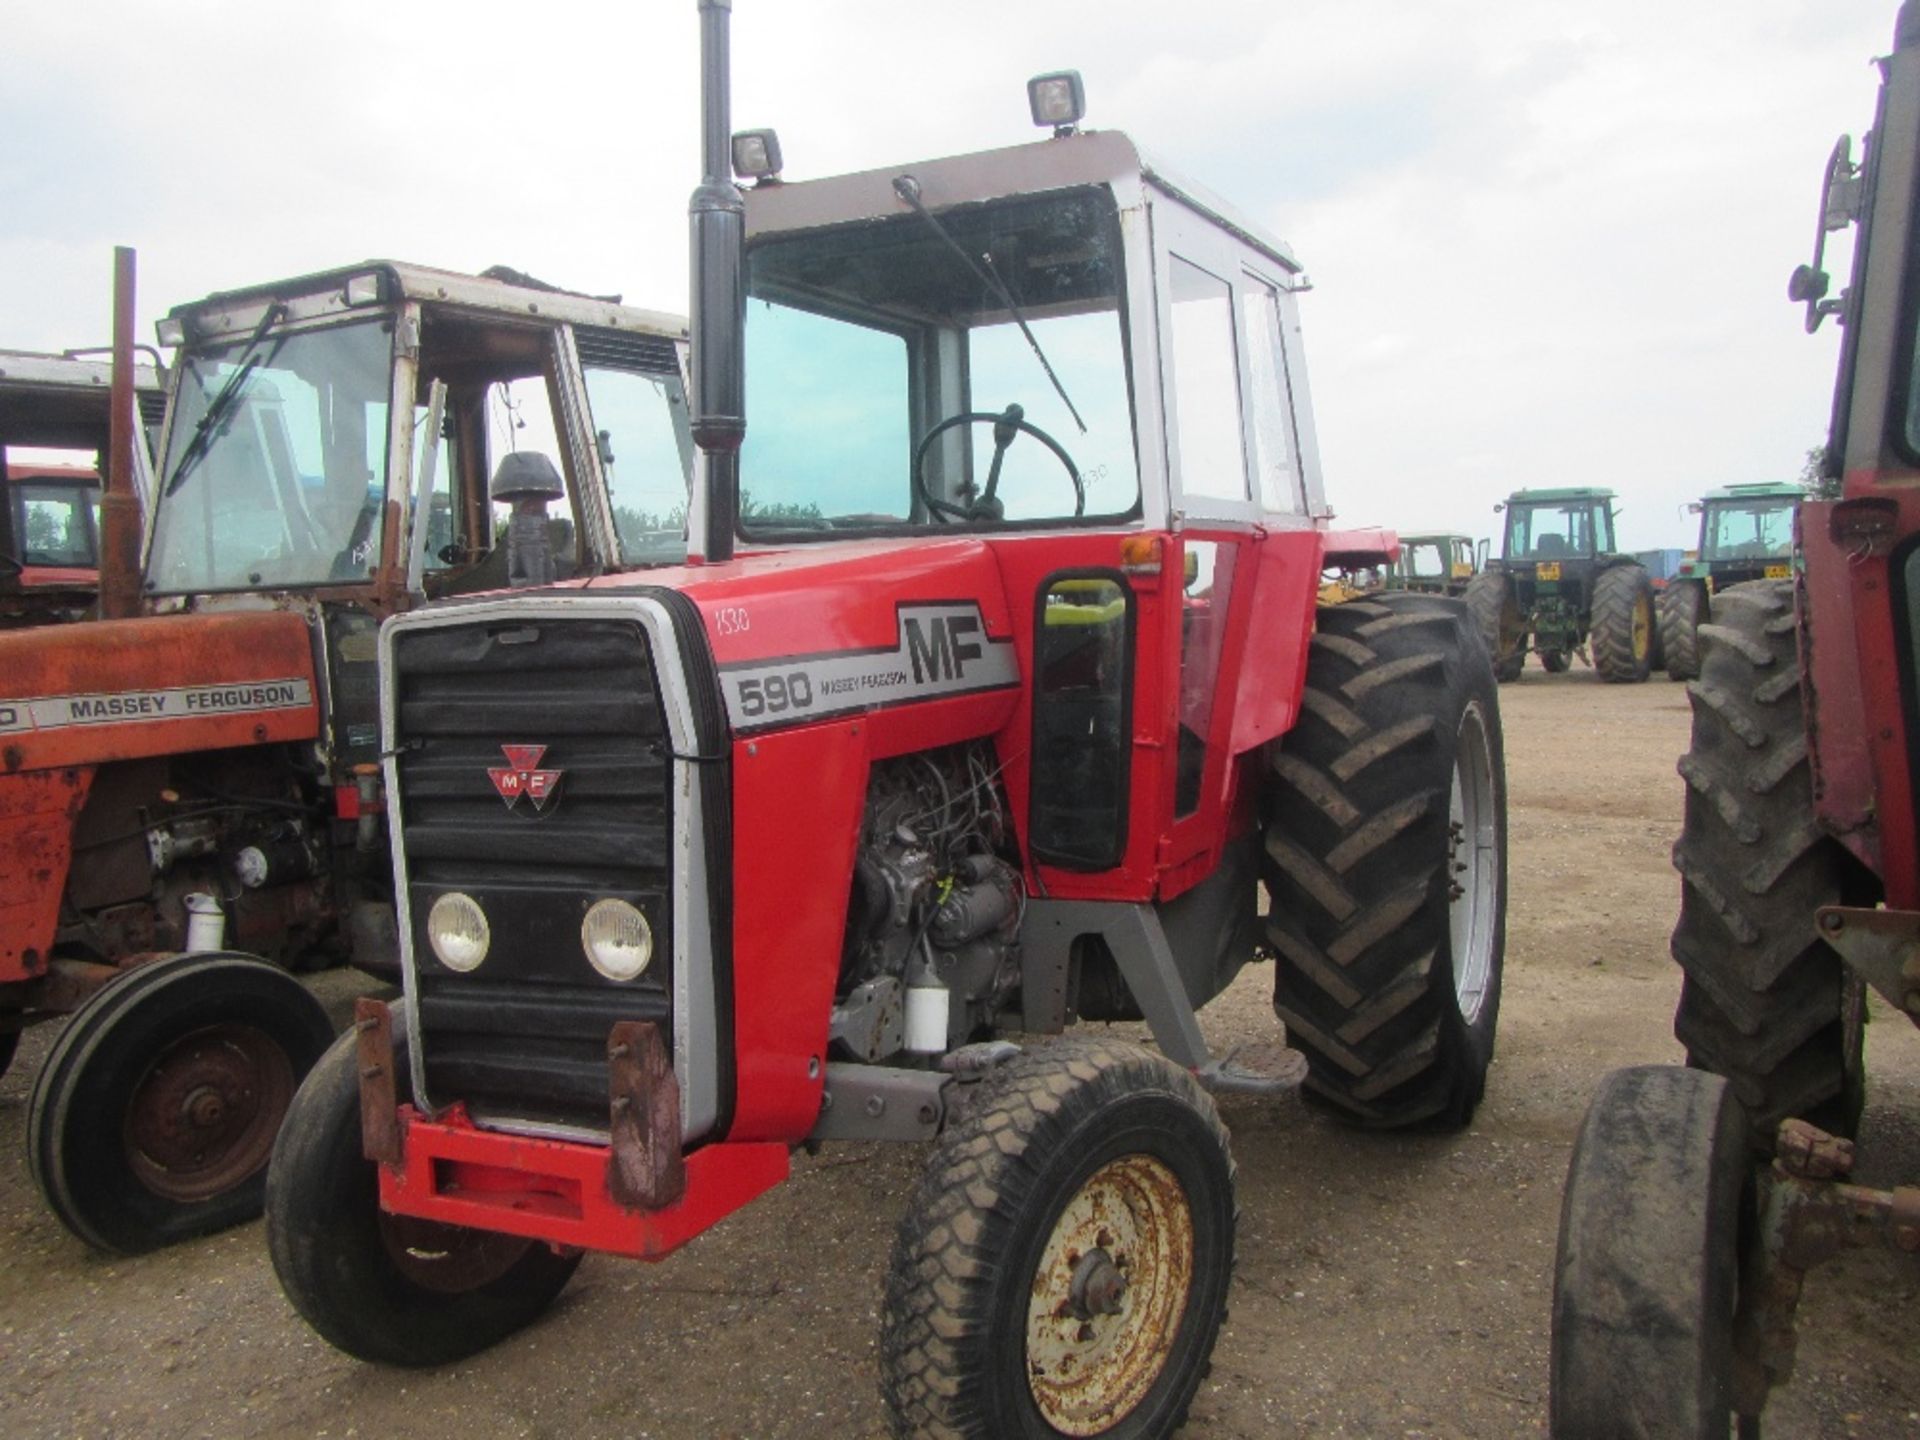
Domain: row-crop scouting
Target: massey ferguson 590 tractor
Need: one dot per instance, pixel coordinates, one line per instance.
(1681, 1259)
(190, 797)
(972, 719)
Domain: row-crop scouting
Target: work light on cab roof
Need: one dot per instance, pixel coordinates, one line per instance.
(1057, 99)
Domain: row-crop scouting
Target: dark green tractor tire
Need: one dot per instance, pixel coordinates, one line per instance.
(1765, 1001)
(1496, 614)
(1385, 860)
(1683, 605)
(1555, 662)
(1621, 628)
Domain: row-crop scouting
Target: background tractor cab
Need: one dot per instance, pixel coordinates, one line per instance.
(53, 433)
(204, 776)
(1746, 533)
(1560, 583)
(996, 693)
(1434, 564)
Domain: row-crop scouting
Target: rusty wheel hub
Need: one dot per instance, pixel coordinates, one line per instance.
(1108, 1296)
(448, 1259)
(203, 1117)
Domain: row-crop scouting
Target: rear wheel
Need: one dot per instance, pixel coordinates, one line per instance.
(1063, 1267)
(1385, 862)
(387, 1288)
(1621, 629)
(1765, 1001)
(1646, 1277)
(154, 1115)
(1683, 605)
(1502, 628)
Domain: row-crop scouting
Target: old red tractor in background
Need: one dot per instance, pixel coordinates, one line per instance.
(190, 802)
(991, 692)
(1681, 1259)
(54, 424)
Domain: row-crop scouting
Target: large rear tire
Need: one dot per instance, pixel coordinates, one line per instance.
(154, 1115)
(1621, 626)
(386, 1288)
(1063, 1267)
(1503, 630)
(1386, 863)
(1683, 605)
(1646, 1278)
(1765, 1001)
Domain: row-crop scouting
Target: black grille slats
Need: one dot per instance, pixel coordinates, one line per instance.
(525, 1034)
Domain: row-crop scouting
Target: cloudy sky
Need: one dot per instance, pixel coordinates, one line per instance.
(1549, 238)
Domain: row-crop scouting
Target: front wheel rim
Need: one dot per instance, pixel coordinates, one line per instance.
(1108, 1295)
(1473, 861)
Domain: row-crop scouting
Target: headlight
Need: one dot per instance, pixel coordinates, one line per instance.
(617, 939)
(457, 930)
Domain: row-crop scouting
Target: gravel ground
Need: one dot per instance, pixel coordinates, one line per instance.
(1388, 1287)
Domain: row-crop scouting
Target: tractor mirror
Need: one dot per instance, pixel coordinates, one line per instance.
(1498, 506)
(1695, 508)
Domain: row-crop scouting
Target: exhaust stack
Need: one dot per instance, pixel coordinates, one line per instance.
(719, 226)
(119, 506)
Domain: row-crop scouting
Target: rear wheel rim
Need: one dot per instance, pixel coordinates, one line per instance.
(202, 1119)
(1642, 627)
(1472, 864)
(1109, 1295)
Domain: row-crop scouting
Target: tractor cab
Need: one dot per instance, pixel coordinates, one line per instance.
(53, 431)
(1554, 534)
(1434, 564)
(1746, 533)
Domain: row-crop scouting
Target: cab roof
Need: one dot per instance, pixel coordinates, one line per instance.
(1575, 492)
(499, 290)
(64, 401)
(1769, 490)
(1090, 157)
(1433, 537)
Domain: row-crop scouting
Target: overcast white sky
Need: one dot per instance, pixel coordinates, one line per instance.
(1550, 240)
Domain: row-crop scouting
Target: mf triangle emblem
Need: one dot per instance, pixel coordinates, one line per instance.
(522, 776)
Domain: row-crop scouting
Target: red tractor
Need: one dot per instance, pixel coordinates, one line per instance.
(190, 802)
(1681, 1258)
(990, 695)
(54, 412)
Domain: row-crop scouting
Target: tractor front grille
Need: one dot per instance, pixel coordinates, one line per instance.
(480, 710)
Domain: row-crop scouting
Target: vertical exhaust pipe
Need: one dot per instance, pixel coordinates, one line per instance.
(719, 225)
(119, 506)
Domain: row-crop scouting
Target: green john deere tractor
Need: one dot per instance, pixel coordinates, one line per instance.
(1560, 589)
(1746, 533)
(1434, 564)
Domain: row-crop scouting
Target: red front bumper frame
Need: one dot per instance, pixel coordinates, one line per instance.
(557, 1190)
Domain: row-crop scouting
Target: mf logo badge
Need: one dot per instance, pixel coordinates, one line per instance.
(521, 775)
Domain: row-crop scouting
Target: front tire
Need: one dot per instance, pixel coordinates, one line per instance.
(1765, 1001)
(1621, 628)
(153, 1118)
(387, 1288)
(1063, 1267)
(1645, 1281)
(1386, 863)
(1555, 662)
(1683, 605)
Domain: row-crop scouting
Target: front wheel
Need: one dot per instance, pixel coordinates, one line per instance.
(1645, 1280)
(153, 1117)
(387, 1288)
(1386, 865)
(1063, 1267)
(1555, 662)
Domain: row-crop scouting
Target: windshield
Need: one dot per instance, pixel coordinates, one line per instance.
(1423, 559)
(276, 467)
(864, 339)
(1746, 531)
(1551, 532)
(56, 524)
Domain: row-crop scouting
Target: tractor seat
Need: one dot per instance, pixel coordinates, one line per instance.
(1550, 546)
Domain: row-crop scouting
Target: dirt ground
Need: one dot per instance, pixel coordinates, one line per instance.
(1388, 1287)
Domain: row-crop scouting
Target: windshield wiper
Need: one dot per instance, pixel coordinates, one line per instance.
(908, 189)
(223, 401)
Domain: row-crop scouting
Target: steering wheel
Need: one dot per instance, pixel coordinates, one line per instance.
(987, 506)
